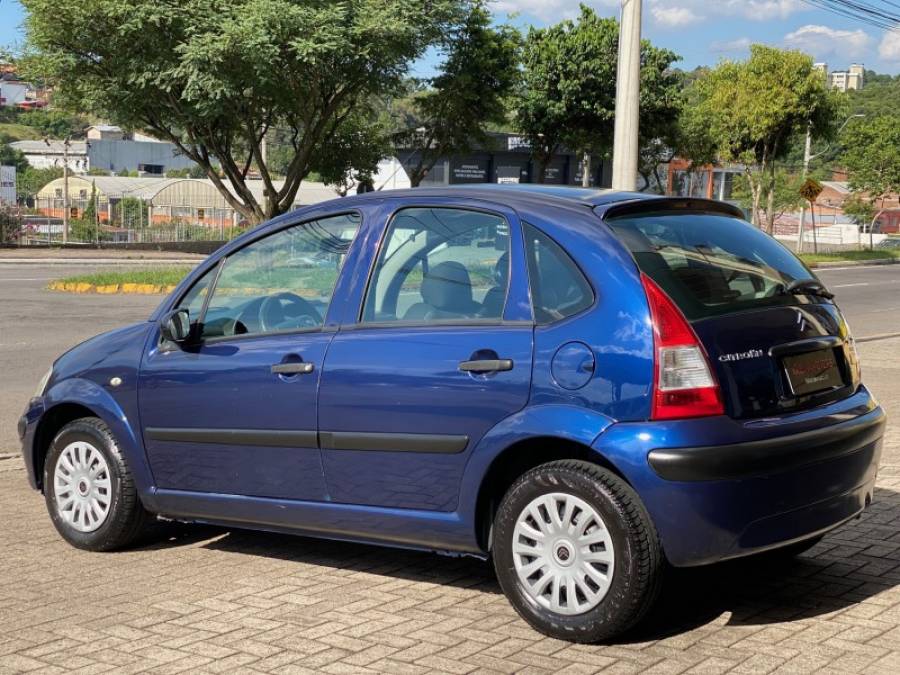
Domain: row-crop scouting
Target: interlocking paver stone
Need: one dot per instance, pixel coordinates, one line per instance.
(209, 600)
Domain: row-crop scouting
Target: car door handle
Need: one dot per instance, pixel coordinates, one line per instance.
(486, 365)
(292, 368)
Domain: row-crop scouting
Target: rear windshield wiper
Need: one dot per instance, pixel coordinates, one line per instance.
(807, 287)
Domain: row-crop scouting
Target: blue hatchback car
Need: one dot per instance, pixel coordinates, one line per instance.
(583, 385)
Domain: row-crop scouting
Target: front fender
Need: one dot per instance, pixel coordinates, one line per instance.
(100, 402)
(568, 422)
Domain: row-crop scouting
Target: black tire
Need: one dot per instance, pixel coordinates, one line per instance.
(638, 558)
(126, 518)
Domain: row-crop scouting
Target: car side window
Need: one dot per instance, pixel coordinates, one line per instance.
(558, 288)
(282, 282)
(193, 300)
(440, 265)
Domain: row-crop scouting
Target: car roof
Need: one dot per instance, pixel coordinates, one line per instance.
(512, 194)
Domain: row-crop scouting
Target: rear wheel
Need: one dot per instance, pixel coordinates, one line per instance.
(575, 551)
(89, 489)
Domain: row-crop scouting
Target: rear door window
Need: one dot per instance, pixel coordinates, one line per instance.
(710, 264)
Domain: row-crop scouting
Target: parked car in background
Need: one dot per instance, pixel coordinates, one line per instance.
(582, 385)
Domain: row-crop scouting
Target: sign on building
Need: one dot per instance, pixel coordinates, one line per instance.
(7, 185)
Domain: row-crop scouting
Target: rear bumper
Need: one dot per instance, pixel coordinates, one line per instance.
(768, 456)
(713, 498)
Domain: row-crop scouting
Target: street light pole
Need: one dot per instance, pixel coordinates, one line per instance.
(628, 80)
(807, 158)
(65, 232)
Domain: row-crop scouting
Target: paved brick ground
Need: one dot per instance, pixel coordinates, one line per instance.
(212, 600)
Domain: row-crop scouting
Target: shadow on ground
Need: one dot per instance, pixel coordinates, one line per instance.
(836, 574)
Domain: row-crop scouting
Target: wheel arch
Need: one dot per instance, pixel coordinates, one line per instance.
(515, 460)
(76, 398)
(50, 424)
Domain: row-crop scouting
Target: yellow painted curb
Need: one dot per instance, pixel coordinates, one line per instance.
(109, 289)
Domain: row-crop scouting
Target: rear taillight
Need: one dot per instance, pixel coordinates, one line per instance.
(683, 383)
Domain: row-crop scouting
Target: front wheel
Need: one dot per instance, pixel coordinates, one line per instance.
(575, 551)
(89, 489)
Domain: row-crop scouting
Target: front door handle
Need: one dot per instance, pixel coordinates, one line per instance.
(486, 365)
(292, 368)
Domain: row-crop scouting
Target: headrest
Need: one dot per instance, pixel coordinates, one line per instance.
(447, 287)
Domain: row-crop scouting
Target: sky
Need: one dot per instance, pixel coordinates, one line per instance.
(701, 31)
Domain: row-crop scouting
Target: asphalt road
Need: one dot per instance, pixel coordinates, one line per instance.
(869, 297)
(36, 325)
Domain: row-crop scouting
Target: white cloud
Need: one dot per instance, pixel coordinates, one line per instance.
(674, 16)
(551, 11)
(822, 41)
(665, 12)
(728, 46)
(889, 49)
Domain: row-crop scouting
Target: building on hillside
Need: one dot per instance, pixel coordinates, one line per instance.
(709, 182)
(105, 132)
(13, 92)
(50, 154)
(107, 154)
(843, 80)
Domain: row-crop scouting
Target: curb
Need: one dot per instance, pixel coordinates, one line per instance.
(100, 261)
(854, 263)
(877, 336)
(109, 289)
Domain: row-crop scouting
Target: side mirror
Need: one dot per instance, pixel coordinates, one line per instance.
(176, 326)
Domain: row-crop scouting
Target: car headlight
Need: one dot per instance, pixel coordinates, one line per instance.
(42, 385)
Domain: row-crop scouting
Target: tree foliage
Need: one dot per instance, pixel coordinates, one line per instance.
(785, 189)
(747, 112)
(9, 156)
(872, 155)
(212, 76)
(453, 113)
(569, 88)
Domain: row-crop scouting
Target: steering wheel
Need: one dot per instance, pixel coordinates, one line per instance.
(296, 312)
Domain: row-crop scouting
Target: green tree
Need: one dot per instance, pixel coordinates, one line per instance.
(479, 71)
(785, 191)
(872, 158)
(32, 180)
(54, 123)
(569, 89)
(9, 156)
(747, 112)
(212, 76)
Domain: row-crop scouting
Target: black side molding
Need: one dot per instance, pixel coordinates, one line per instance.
(381, 442)
(757, 458)
(261, 437)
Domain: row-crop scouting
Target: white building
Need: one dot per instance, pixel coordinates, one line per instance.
(12, 92)
(7, 185)
(105, 132)
(49, 154)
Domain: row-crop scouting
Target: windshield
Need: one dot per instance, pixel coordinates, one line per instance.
(710, 264)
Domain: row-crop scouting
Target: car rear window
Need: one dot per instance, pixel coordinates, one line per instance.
(710, 264)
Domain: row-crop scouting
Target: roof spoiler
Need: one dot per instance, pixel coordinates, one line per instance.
(692, 204)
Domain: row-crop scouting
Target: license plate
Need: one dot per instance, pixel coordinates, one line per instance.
(812, 372)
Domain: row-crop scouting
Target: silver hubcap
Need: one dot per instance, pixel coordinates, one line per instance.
(81, 485)
(563, 553)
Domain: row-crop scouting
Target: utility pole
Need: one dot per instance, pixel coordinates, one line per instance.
(807, 156)
(586, 170)
(65, 232)
(628, 90)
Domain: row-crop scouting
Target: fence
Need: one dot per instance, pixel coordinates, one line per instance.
(126, 220)
(830, 234)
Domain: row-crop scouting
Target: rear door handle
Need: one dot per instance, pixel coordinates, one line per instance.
(292, 368)
(486, 365)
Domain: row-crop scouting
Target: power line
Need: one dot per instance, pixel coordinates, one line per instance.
(878, 13)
